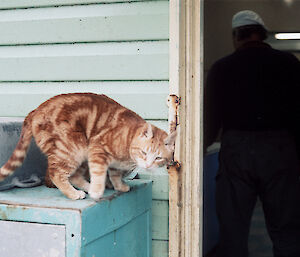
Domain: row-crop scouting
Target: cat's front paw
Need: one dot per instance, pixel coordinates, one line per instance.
(95, 195)
(77, 195)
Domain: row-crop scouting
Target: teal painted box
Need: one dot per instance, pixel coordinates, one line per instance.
(41, 222)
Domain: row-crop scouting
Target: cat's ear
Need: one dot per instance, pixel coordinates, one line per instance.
(147, 131)
(170, 140)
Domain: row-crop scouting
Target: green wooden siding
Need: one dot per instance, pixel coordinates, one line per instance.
(92, 23)
(10, 4)
(160, 209)
(84, 46)
(160, 248)
(160, 217)
(16, 99)
(84, 62)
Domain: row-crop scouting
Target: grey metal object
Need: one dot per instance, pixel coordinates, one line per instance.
(32, 172)
(33, 181)
(20, 239)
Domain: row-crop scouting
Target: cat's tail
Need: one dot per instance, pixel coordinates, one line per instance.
(19, 154)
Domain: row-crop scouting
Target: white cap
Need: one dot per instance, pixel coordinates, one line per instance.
(246, 17)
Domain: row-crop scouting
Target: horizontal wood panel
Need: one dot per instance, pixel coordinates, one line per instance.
(160, 182)
(12, 4)
(160, 248)
(148, 99)
(162, 124)
(90, 23)
(160, 220)
(95, 61)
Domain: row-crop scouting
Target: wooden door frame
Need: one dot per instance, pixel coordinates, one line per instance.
(186, 82)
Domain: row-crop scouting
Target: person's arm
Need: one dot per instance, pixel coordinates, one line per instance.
(212, 117)
(295, 102)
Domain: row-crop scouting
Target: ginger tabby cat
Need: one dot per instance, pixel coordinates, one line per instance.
(77, 129)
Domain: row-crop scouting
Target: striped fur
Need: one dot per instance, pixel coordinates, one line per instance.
(87, 133)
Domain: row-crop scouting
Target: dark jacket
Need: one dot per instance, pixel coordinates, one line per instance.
(254, 88)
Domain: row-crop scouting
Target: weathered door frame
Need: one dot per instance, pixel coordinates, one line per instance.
(186, 82)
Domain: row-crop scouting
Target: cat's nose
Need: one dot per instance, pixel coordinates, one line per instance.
(148, 165)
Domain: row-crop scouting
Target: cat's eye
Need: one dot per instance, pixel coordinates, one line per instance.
(158, 158)
(143, 153)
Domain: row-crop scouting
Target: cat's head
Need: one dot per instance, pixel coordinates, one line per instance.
(152, 147)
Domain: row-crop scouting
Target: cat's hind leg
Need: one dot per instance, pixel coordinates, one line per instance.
(98, 164)
(48, 181)
(78, 179)
(59, 173)
(115, 177)
(81, 177)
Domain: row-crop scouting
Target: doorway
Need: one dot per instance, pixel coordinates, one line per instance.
(279, 16)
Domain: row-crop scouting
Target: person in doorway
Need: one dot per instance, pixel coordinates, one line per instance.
(253, 95)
